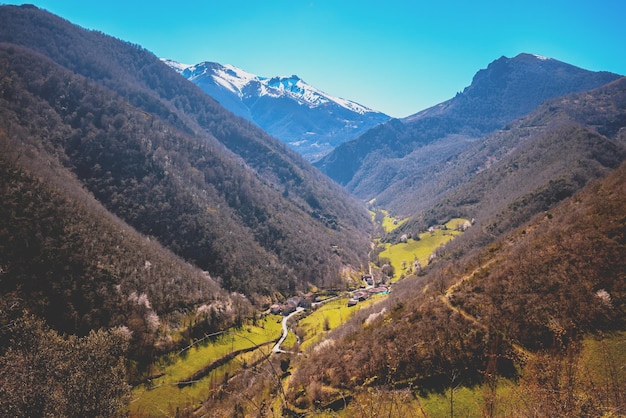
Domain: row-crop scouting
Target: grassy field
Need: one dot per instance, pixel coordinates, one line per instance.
(389, 223)
(604, 360)
(163, 396)
(329, 316)
(374, 402)
(420, 249)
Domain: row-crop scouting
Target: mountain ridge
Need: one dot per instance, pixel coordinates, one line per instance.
(508, 88)
(226, 196)
(307, 119)
(533, 162)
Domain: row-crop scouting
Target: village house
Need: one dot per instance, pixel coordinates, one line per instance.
(361, 295)
(308, 300)
(368, 279)
(288, 307)
(291, 304)
(378, 290)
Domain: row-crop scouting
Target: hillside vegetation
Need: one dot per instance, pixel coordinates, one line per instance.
(76, 264)
(133, 204)
(517, 309)
(407, 164)
(166, 159)
(533, 163)
(145, 232)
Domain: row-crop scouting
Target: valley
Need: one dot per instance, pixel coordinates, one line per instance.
(182, 381)
(163, 255)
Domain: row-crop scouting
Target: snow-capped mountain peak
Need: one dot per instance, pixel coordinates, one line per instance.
(297, 89)
(230, 77)
(304, 93)
(175, 65)
(541, 57)
(239, 81)
(307, 119)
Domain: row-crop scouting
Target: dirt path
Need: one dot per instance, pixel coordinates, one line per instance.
(445, 298)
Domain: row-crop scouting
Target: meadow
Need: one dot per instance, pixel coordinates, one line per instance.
(385, 220)
(402, 255)
(163, 395)
(320, 321)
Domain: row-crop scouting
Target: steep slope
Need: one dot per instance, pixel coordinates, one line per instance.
(532, 164)
(498, 300)
(66, 258)
(403, 152)
(517, 309)
(164, 157)
(307, 119)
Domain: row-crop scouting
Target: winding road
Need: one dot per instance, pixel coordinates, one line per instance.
(277, 348)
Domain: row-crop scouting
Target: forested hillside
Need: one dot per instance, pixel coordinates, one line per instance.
(533, 163)
(72, 262)
(393, 162)
(517, 309)
(137, 216)
(165, 158)
(67, 260)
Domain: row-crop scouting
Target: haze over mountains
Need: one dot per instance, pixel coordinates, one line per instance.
(139, 216)
(305, 118)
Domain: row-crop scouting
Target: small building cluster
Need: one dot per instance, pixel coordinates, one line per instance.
(293, 303)
(361, 295)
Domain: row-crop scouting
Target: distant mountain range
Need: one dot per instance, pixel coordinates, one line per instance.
(393, 162)
(305, 118)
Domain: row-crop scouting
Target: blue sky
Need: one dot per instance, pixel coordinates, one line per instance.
(398, 57)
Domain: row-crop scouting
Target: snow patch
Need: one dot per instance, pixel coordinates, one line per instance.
(176, 65)
(235, 77)
(237, 81)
